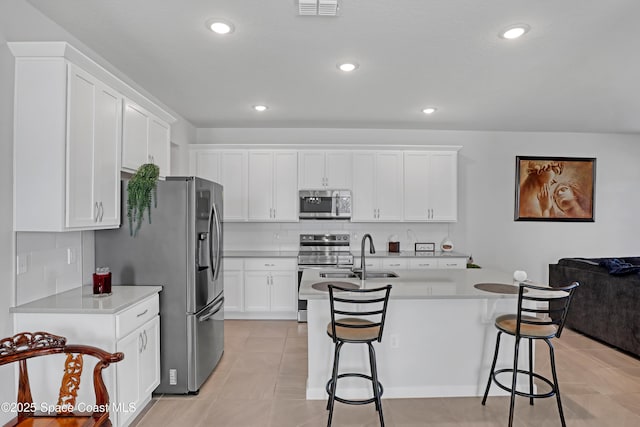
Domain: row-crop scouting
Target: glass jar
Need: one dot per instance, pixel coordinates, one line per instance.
(102, 281)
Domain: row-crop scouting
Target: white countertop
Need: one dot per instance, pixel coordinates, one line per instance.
(260, 254)
(81, 300)
(356, 253)
(420, 284)
(411, 254)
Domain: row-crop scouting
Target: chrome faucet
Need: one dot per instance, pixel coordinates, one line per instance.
(372, 249)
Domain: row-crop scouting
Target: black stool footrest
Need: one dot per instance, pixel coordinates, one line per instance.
(356, 401)
(522, 393)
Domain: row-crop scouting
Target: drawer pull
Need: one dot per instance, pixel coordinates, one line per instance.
(143, 313)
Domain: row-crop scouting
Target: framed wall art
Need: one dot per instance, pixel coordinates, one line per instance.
(555, 188)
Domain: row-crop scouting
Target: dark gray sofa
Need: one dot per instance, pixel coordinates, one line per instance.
(605, 306)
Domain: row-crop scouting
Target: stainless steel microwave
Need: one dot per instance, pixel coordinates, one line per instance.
(325, 204)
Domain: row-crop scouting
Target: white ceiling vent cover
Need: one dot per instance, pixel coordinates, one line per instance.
(318, 7)
(327, 7)
(308, 7)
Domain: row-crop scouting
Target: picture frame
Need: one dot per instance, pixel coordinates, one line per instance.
(555, 189)
(425, 247)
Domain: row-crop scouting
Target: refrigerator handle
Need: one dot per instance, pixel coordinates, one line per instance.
(212, 312)
(214, 220)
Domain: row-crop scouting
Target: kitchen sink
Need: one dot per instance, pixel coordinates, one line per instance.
(339, 275)
(357, 274)
(378, 274)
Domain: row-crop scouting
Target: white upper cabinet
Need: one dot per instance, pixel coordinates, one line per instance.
(145, 139)
(272, 186)
(93, 152)
(229, 168)
(377, 186)
(430, 186)
(68, 131)
(324, 170)
(67, 147)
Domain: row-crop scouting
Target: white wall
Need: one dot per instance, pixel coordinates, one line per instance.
(6, 215)
(486, 227)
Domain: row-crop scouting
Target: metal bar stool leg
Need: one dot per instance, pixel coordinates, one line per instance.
(493, 367)
(552, 358)
(374, 380)
(334, 381)
(531, 371)
(513, 381)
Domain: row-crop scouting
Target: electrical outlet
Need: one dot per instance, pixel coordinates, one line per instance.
(22, 263)
(71, 256)
(394, 341)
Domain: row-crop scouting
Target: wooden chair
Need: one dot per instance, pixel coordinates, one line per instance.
(27, 345)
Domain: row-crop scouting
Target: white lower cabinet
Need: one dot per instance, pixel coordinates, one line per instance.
(411, 263)
(134, 331)
(139, 373)
(266, 289)
(233, 286)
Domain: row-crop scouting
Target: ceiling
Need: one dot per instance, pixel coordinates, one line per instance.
(576, 70)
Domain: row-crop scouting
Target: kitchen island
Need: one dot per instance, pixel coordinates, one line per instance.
(438, 340)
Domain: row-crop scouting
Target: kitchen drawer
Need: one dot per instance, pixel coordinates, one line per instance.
(232, 264)
(395, 263)
(452, 263)
(270, 264)
(422, 263)
(131, 318)
(375, 263)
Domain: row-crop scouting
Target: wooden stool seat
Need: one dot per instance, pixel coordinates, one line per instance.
(353, 329)
(509, 323)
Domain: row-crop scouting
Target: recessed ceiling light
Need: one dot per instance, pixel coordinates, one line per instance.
(260, 108)
(220, 26)
(347, 67)
(429, 110)
(514, 31)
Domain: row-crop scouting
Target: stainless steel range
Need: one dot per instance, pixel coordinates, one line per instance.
(322, 251)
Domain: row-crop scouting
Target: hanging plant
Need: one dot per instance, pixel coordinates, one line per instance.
(142, 189)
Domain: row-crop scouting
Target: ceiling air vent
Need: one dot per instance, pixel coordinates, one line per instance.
(317, 7)
(327, 7)
(308, 7)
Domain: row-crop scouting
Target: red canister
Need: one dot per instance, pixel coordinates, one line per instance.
(102, 281)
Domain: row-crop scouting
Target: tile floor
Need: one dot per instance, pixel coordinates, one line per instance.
(260, 382)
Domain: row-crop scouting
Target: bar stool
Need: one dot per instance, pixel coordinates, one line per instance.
(533, 321)
(370, 305)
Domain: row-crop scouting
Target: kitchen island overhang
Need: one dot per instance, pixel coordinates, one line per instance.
(438, 340)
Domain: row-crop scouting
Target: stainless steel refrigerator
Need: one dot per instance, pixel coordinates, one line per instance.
(181, 250)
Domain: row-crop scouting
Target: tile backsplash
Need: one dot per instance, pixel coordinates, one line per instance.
(48, 263)
(285, 236)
